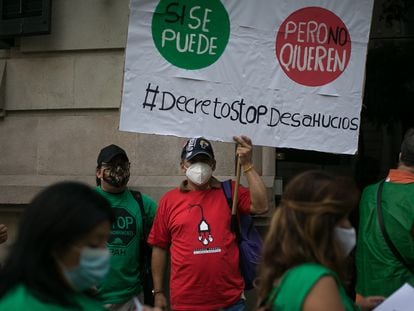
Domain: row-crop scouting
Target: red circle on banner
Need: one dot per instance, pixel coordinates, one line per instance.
(313, 46)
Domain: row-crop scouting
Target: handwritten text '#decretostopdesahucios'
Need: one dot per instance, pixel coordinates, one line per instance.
(240, 111)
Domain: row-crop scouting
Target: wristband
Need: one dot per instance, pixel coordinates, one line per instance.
(157, 291)
(250, 167)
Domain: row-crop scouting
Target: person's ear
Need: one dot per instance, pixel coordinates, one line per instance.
(183, 168)
(99, 172)
(213, 167)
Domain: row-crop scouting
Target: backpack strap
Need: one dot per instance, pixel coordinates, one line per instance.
(235, 226)
(226, 186)
(138, 197)
(145, 253)
(387, 238)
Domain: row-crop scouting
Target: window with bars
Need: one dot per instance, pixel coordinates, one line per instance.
(24, 17)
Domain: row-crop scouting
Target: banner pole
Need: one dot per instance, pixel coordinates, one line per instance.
(236, 188)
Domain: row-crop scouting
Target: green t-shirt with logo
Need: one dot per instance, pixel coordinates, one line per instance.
(20, 298)
(297, 283)
(123, 279)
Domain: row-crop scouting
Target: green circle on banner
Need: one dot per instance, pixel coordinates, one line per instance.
(191, 34)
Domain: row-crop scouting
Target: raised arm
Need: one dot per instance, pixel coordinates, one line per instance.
(258, 193)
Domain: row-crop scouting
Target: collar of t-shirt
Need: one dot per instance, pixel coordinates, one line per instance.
(400, 176)
(214, 183)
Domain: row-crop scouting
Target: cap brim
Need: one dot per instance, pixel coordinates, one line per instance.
(197, 153)
(109, 159)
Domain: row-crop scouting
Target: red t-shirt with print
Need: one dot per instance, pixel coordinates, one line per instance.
(195, 226)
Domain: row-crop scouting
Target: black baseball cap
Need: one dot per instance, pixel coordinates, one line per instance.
(109, 152)
(196, 146)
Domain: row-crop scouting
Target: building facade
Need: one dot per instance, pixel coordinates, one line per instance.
(60, 97)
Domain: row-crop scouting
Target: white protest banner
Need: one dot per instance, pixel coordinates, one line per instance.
(401, 300)
(285, 73)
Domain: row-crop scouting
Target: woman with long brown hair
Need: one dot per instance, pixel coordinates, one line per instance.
(305, 249)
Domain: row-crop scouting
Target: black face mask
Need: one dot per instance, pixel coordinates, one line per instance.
(116, 174)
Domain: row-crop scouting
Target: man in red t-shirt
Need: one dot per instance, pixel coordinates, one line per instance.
(193, 224)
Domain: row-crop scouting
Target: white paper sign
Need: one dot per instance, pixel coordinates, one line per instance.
(285, 73)
(400, 300)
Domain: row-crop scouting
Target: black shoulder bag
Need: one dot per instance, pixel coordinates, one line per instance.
(387, 239)
(145, 254)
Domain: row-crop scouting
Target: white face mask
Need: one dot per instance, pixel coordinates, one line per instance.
(199, 173)
(346, 237)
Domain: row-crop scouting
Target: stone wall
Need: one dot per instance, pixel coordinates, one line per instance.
(60, 96)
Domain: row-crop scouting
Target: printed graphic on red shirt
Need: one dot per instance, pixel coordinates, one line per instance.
(204, 234)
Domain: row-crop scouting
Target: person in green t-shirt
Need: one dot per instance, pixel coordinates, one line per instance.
(123, 282)
(305, 249)
(379, 270)
(60, 251)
